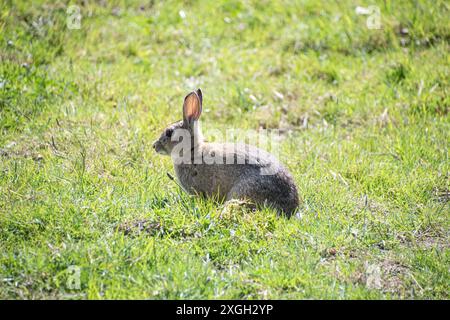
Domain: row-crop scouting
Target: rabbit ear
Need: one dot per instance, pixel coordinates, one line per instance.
(192, 108)
(200, 96)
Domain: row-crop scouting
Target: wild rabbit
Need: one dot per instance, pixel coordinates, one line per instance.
(245, 172)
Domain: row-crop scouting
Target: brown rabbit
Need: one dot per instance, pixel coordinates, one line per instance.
(246, 172)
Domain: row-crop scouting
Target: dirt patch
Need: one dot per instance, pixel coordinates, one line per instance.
(26, 149)
(393, 276)
(432, 241)
(426, 239)
(141, 226)
(154, 228)
(387, 275)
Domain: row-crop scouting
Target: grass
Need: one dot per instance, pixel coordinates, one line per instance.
(365, 123)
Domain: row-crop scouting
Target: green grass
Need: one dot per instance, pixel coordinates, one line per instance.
(365, 121)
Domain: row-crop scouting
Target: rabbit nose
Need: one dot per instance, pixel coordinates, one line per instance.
(154, 145)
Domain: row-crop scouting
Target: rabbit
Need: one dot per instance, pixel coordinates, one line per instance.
(242, 179)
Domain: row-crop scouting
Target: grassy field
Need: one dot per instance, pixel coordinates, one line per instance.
(364, 116)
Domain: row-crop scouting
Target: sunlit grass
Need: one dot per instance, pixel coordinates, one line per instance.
(365, 126)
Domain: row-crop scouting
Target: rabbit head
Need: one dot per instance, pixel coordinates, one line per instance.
(186, 131)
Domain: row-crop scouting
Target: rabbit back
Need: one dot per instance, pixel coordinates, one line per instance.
(238, 171)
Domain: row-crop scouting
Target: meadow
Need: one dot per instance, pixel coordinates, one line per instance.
(87, 210)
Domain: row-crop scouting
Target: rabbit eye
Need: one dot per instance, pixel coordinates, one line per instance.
(169, 133)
